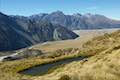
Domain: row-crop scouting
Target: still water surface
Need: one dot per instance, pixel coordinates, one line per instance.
(43, 69)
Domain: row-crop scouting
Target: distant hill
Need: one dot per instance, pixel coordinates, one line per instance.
(77, 21)
(19, 32)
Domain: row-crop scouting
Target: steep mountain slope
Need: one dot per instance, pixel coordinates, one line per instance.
(77, 21)
(42, 31)
(10, 37)
(19, 32)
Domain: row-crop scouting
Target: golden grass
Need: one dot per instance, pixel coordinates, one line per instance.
(9, 69)
(103, 66)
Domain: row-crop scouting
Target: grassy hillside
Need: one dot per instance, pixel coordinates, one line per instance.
(103, 65)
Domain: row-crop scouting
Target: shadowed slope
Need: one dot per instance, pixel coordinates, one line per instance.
(16, 33)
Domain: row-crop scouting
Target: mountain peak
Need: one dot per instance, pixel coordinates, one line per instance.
(58, 12)
(40, 14)
(88, 14)
(77, 15)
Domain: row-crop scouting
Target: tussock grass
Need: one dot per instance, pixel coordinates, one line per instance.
(10, 68)
(104, 65)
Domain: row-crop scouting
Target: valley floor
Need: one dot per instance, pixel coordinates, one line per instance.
(85, 35)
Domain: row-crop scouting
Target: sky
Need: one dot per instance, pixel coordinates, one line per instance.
(109, 8)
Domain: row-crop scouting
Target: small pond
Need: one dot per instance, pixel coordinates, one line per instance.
(43, 69)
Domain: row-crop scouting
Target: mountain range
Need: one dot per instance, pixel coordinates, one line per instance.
(20, 32)
(77, 21)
